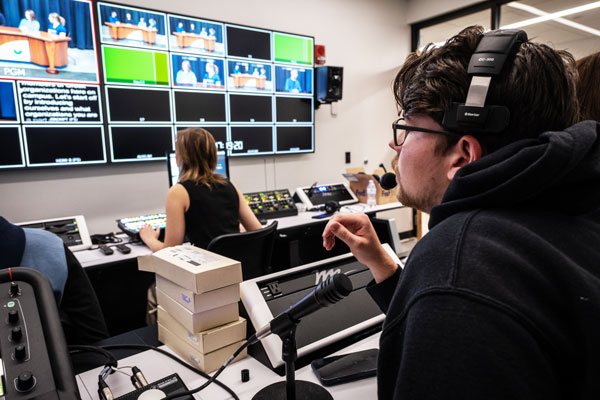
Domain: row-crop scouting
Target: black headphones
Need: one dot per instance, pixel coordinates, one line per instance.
(330, 207)
(488, 60)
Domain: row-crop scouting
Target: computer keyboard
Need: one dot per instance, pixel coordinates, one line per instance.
(132, 225)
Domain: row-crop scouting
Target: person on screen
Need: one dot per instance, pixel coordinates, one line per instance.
(129, 19)
(180, 28)
(212, 33)
(236, 70)
(142, 23)
(193, 28)
(203, 205)
(185, 76)
(203, 32)
(57, 24)
(114, 19)
(211, 76)
(30, 22)
(152, 23)
(263, 73)
(292, 84)
(500, 299)
(255, 72)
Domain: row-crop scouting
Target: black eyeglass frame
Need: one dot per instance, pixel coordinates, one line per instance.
(396, 126)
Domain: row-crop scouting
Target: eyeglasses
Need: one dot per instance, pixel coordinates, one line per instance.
(401, 131)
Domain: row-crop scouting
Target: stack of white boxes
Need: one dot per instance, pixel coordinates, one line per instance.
(198, 294)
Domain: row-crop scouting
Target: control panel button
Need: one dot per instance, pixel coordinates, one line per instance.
(14, 289)
(20, 352)
(25, 381)
(16, 334)
(13, 316)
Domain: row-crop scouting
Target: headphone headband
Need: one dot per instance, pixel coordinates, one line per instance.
(488, 60)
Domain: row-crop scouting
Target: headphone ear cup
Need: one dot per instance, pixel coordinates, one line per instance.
(331, 207)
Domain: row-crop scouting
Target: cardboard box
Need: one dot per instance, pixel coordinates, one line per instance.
(193, 268)
(358, 184)
(207, 362)
(208, 340)
(199, 302)
(198, 322)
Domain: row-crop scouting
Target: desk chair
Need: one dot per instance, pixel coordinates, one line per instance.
(253, 249)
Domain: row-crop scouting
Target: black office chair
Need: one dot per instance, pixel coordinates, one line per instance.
(253, 249)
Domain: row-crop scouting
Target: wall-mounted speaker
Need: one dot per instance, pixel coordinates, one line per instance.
(329, 84)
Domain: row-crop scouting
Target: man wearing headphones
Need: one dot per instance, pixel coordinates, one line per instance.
(501, 299)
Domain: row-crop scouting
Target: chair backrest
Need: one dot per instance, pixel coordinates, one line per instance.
(253, 249)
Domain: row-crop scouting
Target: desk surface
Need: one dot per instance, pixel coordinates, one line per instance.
(93, 257)
(156, 366)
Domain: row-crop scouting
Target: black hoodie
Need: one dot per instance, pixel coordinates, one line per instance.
(501, 299)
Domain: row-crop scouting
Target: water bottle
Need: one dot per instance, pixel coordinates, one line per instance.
(371, 194)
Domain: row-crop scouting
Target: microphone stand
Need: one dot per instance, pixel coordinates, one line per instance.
(288, 390)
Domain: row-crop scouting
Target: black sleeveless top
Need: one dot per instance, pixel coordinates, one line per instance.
(213, 211)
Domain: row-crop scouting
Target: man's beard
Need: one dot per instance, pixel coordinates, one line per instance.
(421, 203)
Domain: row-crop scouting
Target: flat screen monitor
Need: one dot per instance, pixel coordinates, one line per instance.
(11, 148)
(138, 105)
(248, 43)
(173, 169)
(64, 145)
(139, 143)
(245, 108)
(293, 139)
(294, 109)
(203, 107)
(127, 78)
(251, 140)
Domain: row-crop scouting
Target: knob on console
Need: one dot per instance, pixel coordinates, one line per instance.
(13, 316)
(20, 352)
(14, 289)
(25, 381)
(16, 334)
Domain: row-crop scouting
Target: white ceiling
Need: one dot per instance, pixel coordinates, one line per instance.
(555, 34)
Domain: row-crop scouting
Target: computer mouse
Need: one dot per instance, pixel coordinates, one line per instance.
(123, 248)
(105, 249)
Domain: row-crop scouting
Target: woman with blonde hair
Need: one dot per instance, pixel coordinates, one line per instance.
(203, 204)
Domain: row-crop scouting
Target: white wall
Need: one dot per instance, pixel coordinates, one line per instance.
(419, 10)
(370, 39)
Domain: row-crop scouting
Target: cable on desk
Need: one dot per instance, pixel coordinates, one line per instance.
(175, 358)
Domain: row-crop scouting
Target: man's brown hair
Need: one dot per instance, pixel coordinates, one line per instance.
(537, 85)
(588, 86)
(197, 151)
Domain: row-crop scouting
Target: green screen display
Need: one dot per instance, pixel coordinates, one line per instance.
(136, 66)
(293, 49)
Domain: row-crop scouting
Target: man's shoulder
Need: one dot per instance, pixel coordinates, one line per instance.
(39, 237)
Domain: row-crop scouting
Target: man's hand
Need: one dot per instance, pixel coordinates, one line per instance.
(357, 232)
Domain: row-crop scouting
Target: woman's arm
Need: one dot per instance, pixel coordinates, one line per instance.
(247, 217)
(178, 202)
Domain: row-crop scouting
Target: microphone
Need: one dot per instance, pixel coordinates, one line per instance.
(388, 181)
(330, 291)
(311, 188)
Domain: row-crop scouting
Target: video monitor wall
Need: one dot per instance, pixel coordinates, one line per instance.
(50, 102)
(91, 82)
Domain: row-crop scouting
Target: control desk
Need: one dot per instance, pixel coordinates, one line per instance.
(271, 204)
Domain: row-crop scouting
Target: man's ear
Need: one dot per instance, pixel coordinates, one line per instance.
(467, 150)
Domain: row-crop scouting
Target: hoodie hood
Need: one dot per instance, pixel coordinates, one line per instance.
(12, 244)
(557, 170)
